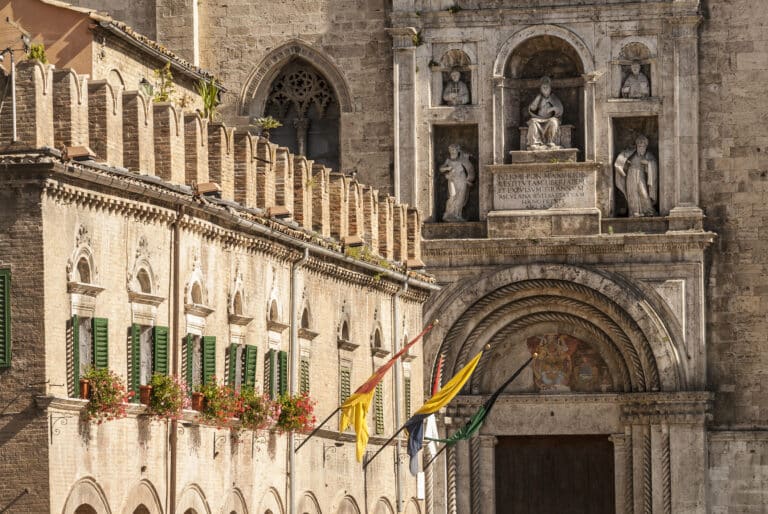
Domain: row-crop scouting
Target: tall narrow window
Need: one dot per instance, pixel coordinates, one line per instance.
(379, 408)
(242, 366)
(276, 373)
(304, 375)
(200, 360)
(345, 383)
(5, 318)
(407, 394)
(90, 345)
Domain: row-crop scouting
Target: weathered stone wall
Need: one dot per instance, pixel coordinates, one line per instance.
(734, 181)
(138, 14)
(23, 432)
(738, 479)
(236, 37)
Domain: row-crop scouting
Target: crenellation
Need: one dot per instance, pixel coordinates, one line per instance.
(321, 215)
(399, 233)
(34, 107)
(169, 143)
(354, 209)
(70, 109)
(105, 121)
(265, 179)
(413, 228)
(283, 172)
(371, 218)
(386, 246)
(339, 205)
(245, 169)
(195, 149)
(138, 130)
(302, 191)
(221, 166)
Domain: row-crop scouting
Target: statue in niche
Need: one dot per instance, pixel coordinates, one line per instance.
(455, 91)
(636, 84)
(546, 110)
(460, 174)
(637, 178)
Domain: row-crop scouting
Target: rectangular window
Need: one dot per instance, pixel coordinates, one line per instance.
(235, 366)
(378, 406)
(90, 345)
(194, 361)
(149, 355)
(407, 394)
(5, 318)
(345, 383)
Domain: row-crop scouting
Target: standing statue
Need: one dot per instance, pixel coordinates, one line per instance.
(637, 175)
(545, 111)
(636, 84)
(455, 92)
(461, 176)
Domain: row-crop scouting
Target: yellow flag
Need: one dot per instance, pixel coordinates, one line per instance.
(354, 413)
(450, 389)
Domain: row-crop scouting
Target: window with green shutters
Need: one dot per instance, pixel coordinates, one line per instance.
(304, 375)
(378, 405)
(5, 318)
(90, 346)
(407, 394)
(200, 360)
(242, 366)
(160, 350)
(283, 372)
(149, 355)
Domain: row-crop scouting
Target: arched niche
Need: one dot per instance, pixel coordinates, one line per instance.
(142, 498)
(454, 59)
(348, 506)
(305, 90)
(86, 497)
(271, 503)
(235, 503)
(383, 506)
(308, 504)
(192, 499)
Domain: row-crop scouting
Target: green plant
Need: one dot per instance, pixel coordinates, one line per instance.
(37, 53)
(267, 123)
(108, 395)
(454, 9)
(169, 396)
(416, 39)
(209, 93)
(433, 63)
(164, 86)
(296, 413)
(221, 404)
(259, 412)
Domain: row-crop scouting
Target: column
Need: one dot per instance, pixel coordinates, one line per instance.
(487, 473)
(621, 461)
(499, 130)
(404, 71)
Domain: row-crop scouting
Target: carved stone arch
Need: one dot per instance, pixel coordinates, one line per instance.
(115, 78)
(456, 58)
(271, 502)
(86, 491)
(519, 37)
(192, 497)
(308, 504)
(235, 502)
(344, 329)
(274, 309)
(347, 505)
(82, 259)
(633, 319)
(256, 89)
(413, 507)
(380, 346)
(141, 278)
(305, 315)
(143, 493)
(237, 303)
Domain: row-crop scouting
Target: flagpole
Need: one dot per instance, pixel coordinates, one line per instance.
(435, 456)
(318, 427)
(383, 446)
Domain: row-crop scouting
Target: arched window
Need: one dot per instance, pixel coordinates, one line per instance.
(274, 314)
(145, 282)
(237, 305)
(141, 509)
(304, 101)
(84, 270)
(85, 509)
(305, 319)
(197, 294)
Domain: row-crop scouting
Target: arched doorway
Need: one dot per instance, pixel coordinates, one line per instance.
(304, 101)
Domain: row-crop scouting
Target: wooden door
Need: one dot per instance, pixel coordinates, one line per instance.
(554, 474)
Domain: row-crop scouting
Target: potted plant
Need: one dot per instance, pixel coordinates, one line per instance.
(296, 413)
(198, 401)
(266, 124)
(259, 412)
(168, 396)
(222, 403)
(108, 396)
(85, 388)
(145, 394)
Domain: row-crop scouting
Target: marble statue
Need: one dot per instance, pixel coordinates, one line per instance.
(637, 175)
(636, 84)
(460, 174)
(455, 91)
(545, 111)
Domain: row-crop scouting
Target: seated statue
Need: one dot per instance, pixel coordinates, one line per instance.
(545, 111)
(636, 84)
(460, 174)
(455, 92)
(637, 178)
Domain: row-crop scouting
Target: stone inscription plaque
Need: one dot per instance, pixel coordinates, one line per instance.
(537, 187)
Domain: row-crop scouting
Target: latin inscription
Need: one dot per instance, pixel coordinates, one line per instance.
(543, 190)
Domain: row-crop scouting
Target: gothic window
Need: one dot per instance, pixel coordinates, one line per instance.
(304, 101)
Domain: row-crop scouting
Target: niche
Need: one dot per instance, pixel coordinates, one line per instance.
(625, 133)
(465, 136)
(634, 53)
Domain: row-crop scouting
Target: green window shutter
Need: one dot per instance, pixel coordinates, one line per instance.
(345, 382)
(270, 364)
(250, 365)
(190, 361)
(160, 347)
(304, 376)
(209, 358)
(75, 321)
(100, 343)
(379, 406)
(232, 371)
(135, 374)
(5, 318)
(407, 393)
(283, 356)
